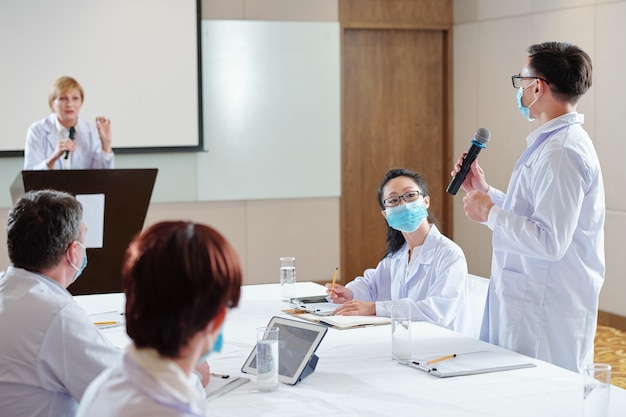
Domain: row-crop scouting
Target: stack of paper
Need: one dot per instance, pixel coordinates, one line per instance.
(345, 322)
(341, 322)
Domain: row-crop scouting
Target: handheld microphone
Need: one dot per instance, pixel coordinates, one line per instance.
(481, 137)
(72, 134)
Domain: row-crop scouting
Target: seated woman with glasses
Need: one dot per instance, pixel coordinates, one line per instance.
(421, 266)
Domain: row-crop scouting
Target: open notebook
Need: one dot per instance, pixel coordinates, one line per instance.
(340, 322)
(471, 363)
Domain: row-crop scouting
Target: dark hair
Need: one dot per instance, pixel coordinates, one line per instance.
(177, 277)
(40, 228)
(567, 68)
(395, 239)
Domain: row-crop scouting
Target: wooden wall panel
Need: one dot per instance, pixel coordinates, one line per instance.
(413, 13)
(394, 114)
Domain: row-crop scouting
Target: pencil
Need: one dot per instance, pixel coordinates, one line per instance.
(104, 323)
(443, 358)
(332, 287)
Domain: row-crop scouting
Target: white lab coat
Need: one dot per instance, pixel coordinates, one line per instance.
(49, 349)
(434, 282)
(127, 389)
(548, 248)
(42, 138)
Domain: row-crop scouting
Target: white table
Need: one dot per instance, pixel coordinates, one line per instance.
(356, 376)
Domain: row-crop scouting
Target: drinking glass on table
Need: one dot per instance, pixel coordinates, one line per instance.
(267, 358)
(287, 277)
(401, 330)
(597, 380)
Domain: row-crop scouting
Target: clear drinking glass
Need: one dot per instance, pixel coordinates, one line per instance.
(267, 358)
(287, 277)
(401, 330)
(597, 380)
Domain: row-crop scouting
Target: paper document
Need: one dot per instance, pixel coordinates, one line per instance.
(93, 216)
(108, 319)
(471, 363)
(345, 322)
(219, 386)
(340, 322)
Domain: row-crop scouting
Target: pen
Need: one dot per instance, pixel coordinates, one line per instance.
(443, 358)
(332, 287)
(105, 323)
(223, 376)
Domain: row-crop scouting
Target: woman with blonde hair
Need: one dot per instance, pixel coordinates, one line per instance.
(63, 140)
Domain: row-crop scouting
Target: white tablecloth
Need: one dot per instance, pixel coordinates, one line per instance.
(355, 375)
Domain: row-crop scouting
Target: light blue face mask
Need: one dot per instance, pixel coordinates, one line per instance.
(82, 268)
(217, 347)
(520, 106)
(406, 217)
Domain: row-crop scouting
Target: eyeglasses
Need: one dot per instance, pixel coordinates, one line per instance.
(408, 197)
(517, 80)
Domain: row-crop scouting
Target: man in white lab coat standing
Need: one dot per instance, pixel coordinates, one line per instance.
(548, 229)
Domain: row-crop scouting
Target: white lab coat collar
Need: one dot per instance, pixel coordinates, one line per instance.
(426, 252)
(167, 373)
(423, 254)
(49, 282)
(554, 124)
(415, 253)
(62, 131)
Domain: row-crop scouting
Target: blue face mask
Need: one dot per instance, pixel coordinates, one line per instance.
(82, 268)
(520, 106)
(217, 347)
(406, 217)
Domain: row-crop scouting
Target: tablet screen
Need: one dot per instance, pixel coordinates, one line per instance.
(297, 343)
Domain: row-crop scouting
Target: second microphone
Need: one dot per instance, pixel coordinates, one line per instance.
(481, 137)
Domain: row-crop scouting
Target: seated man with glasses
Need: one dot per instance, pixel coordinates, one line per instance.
(421, 266)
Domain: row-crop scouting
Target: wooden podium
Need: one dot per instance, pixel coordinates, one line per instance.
(127, 195)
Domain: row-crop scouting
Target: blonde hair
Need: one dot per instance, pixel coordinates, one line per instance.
(61, 86)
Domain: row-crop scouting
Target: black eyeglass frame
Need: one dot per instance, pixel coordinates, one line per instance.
(402, 197)
(520, 78)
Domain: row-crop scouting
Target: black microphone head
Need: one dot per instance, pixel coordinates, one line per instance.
(482, 135)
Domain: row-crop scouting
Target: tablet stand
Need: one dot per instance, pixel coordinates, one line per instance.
(310, 367)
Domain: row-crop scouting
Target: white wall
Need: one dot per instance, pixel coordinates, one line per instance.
(262, 230)
(490, 41)
(271, 96)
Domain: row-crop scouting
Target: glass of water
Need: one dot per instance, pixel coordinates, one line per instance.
(267, 358)
(597, 380)
(287, 277)
(401, 330)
